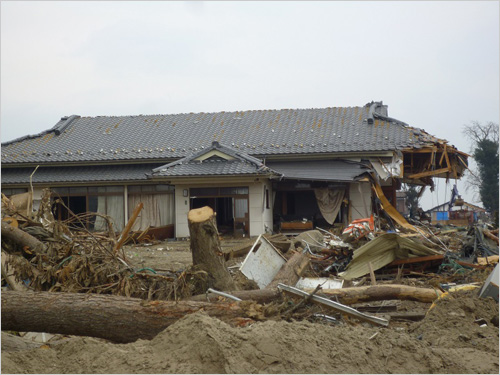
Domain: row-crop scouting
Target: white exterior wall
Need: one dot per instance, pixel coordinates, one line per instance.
(37, 197)
(260, 216)
(268, 212)
(181, 212)
(360, 201)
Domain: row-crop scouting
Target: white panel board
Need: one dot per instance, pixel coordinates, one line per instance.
(262, 262)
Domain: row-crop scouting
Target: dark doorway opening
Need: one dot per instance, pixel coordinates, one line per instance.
(223, 206)
(297, 205)
(76, 204)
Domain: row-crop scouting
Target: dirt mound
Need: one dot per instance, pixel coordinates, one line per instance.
(456, 314)
(201, 344)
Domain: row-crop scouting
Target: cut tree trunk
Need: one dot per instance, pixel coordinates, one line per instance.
(205, 247)
(380, 292)
(291, 271)
(22, 239)
(115, 318)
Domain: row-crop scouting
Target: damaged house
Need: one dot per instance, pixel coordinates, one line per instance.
(262, 170)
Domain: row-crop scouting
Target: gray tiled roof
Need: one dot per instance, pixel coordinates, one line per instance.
(131, 172)
(319, 170)
(240, 164)
(262, 132)
(209, 167)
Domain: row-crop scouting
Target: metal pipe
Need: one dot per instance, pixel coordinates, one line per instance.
(335, 305)
(210, 290)
(326, 317)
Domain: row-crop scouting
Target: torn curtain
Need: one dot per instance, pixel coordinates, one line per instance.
(329, 202)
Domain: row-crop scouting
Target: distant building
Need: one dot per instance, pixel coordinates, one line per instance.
(461, 213)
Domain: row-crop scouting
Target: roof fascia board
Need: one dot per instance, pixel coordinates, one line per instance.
(165, 161)
(430, 149)
(84, 183)
(90, 163)
(330, 156)
(211, 180)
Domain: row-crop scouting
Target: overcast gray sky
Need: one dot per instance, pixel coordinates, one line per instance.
(435, 64)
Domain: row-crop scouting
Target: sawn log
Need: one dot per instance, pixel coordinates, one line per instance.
(380, 292)
(115, 318)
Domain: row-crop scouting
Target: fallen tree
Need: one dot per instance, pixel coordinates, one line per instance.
(381, 292)
(115, 318)
(346, 296)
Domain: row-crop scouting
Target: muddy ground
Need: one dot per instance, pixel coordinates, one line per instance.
(447, 340)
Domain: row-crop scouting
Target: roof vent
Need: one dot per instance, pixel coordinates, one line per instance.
(376, 107)
(64, 124)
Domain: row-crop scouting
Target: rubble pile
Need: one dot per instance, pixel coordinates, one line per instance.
(369, 275)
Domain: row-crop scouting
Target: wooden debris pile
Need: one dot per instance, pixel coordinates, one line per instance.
(42, 254)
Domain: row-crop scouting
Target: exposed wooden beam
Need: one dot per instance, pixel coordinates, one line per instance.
(447, 158)
(442, 156)
(429, 173)
(463, 162)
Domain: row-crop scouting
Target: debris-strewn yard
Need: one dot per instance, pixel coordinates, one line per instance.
(374, 301)
(446, 341)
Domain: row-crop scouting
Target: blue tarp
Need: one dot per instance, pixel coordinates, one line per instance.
(442, 215)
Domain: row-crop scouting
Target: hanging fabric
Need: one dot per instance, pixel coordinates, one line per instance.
(329, 202)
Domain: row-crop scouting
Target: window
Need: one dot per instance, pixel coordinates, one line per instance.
(159, 206)
(106, 200)
(13, 191)
(216, 192)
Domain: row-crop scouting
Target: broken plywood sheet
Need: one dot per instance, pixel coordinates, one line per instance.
(381, 251)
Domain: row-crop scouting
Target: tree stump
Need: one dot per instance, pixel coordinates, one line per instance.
(205, 248)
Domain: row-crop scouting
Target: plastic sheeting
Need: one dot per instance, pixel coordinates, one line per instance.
(329, 202)
(381, 251)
